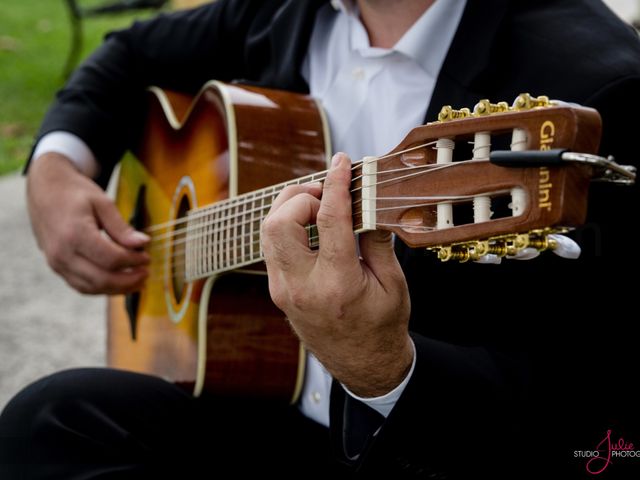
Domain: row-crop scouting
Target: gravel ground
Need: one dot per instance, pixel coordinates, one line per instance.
(45, 326)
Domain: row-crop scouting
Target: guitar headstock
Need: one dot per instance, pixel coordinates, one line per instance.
(438, 188)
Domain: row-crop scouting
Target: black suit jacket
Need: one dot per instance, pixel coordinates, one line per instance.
(514, 370)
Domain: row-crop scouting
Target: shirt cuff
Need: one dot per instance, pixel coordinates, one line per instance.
(385, 403)
(72, 147)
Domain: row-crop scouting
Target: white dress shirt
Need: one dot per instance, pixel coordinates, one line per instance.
(372, 97)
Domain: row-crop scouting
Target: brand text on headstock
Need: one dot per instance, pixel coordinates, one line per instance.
(547, 136)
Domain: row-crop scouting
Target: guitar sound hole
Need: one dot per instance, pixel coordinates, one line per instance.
(178, 254)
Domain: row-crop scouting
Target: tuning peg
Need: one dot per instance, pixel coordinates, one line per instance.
(489, 259)
(564, 246)
(525, 101)
(521, 246)
(458, 253)
(485, 107)
(448, 113)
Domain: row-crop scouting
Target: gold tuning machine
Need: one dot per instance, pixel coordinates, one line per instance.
(448, 113)
(525, 101)
(485, 107)
(501, 246)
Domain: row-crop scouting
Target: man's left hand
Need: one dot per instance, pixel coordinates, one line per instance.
(351, 312)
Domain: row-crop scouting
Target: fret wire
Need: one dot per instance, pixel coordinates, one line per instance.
(242, 229)
(199, 266)
(252, 210)
(218, 237)
(215, 242)
(228, 240)
(210, 228)
(234, 223)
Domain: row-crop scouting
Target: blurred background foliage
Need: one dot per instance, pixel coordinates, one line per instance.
(35, 39)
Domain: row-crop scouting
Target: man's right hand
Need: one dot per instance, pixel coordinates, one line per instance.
(70, 215)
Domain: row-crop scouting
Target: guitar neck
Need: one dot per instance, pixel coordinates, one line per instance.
(225, 235)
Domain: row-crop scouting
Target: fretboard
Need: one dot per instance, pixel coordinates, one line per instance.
(226, 235)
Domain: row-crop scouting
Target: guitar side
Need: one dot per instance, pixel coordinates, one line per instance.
(222, 334)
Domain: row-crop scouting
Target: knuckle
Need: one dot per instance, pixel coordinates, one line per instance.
(100, 200)
(281, 256)
(100, 284)
(276, 252)
(54, 261)
(270, 227)
(330, 251)
(288, 298)
(279, 298)
(68, 237)
(326, 217)
(56, 255)
(290, 190)
(79, 286)
(335, 178)
(299, 299)
(112, 262)
(84, 289)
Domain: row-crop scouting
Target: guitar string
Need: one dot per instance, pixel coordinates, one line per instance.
(173, 233)
(238, 202)
(243, 199)
(157, 273)
(231, 226)
(236, 214)
(225, 224)
(228, 256)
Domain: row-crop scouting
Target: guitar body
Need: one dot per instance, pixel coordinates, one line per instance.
(221, 334)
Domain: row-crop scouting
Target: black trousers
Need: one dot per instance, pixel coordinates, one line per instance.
(104, 424)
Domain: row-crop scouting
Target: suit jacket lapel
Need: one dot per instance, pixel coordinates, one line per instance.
(289, 38)
(468, 56)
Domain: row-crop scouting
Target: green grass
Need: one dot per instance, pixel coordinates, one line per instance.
(35, 37)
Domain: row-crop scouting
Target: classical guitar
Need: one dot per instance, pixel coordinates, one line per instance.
(209, 167)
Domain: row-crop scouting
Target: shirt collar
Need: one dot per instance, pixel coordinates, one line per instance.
(344, 6)
(435, 28)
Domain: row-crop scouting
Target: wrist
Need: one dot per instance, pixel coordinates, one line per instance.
(51, 164)
(69, 146)
(51, 173)
(381, 372)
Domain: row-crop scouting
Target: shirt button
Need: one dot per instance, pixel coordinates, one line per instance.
(358, 73)
(316, 397)
(335, 4)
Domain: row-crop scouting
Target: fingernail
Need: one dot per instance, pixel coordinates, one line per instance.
(336, 160)
(139, 237)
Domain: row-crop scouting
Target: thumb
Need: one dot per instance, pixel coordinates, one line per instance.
(120, 231)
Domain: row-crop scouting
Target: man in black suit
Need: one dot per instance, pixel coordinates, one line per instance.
(505, 371)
